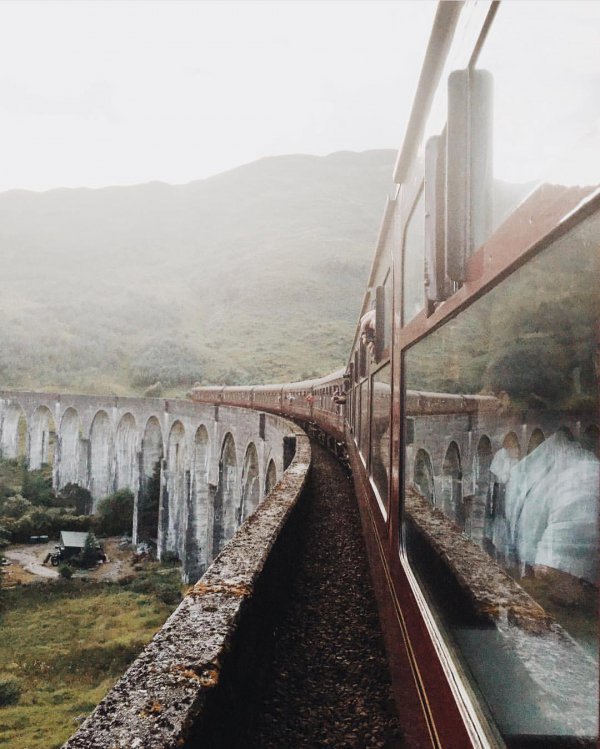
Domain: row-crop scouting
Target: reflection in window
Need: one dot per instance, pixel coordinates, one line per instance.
(479, 509)
(380, 431)
(387, 320)
(504, 398)
(413, 292)
(364, 420)
(536, 439)
(423, 476)
(451, 494)
(545, 100)
(356, 406)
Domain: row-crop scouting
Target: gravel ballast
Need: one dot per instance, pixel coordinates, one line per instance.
(328, 683)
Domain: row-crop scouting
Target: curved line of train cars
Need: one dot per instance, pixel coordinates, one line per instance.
(469, 405)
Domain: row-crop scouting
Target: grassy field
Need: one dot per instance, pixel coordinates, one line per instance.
(67, 643)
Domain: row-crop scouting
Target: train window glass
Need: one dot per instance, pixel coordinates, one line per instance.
(413, 285)
(546, 115)
(364, 420)
(380, 431)
(388, 311)
(501, 491)
(356, 405)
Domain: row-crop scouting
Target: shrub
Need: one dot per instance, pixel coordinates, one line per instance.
(74, 523)
(115, 514)
(170, 362)
(14, 507)
(37, 488)
(65, 571)
(10, 691)
(76, 496)
(169, 559)
(89, 553)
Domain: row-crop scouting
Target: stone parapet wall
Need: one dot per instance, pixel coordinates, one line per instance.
(177, 687)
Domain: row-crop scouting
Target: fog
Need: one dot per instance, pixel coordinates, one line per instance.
(104, 93)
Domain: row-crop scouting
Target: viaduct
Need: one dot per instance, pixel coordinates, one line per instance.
(216, 463)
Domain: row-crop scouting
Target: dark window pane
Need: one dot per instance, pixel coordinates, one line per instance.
(380, 431)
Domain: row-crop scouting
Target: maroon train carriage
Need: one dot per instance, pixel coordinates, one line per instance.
(471, 413)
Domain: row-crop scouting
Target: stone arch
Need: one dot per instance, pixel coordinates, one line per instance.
(199, 509)
(482, 490)
(271, 477)
(176, 486)
(14, 433)
(511, 443)
(150, 471)
(70, 455)
(101, 453)
(42, 438)
(590, 439)
(451, 494)
(423, 475)
(536, 439)
(126, 453)
(226, 496)
(250, 483)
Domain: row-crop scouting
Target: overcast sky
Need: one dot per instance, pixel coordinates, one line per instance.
(110, 92)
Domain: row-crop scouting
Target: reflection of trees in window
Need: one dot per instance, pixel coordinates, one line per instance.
(423, 475)
(536, 439)
(452, 503)
(532, 338)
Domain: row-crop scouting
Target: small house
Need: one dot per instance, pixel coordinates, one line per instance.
(72, 542)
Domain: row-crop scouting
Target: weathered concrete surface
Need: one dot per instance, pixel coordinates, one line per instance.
(165, 693)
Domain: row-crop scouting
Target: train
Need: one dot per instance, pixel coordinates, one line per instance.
(468, 407)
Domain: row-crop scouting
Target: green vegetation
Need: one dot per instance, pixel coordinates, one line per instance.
(531, 340)
(254, 275)
(65, 643)
(30, 507)
(65, 570)
(10, 691)
(114, 514)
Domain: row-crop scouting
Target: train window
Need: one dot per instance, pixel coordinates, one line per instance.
(380, 431)
(356, 416)
(388, 311)
(364, 421)
(501, 491)
(413, 286)
(545, 120)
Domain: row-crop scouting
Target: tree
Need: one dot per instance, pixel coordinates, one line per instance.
(89, 553)
(78, 497)
(65, 571)
(115, 514)
(37, 488)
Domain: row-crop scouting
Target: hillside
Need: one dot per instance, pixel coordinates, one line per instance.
(253, 275)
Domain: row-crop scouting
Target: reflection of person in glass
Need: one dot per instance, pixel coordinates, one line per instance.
(551, 506)
(496, 531)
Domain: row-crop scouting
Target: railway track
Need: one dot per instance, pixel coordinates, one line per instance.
(328, 683)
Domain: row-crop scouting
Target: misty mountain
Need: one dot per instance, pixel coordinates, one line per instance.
(252, 275)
